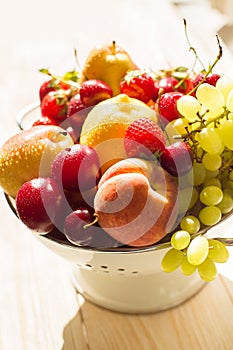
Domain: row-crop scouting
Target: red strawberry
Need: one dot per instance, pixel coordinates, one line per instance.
(177, 158)
(94, 91)
(137, 84)
(52, 85)
(167, 106)
(44, 121)
(144, 138)
(54, 105)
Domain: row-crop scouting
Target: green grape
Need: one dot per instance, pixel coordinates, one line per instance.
(172, 260)
(212, 162)
(194, 198)
(211, 97)
(210, 140)
(188, 106)
(211, 174)
(218, 251)
(225, 85)
(212, 182)
(231, 175)
(229, 102)
(227, 184)
(226, 132)
(185, 198)
(187, 268)
(190, 223)
(199, 173)
(207, 270)
(211, 195)
(210, 215)
(180, 239)
(226, 204)
(197, 250)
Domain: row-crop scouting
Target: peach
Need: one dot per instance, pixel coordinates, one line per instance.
(136, 202)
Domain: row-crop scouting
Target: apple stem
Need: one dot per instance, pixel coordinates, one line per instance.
(113, 47)
(93, 222)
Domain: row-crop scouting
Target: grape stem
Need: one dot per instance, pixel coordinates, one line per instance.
(210, 68)
(191, 48)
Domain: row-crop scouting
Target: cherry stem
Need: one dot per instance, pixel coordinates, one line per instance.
(93, 222)
(78, 63)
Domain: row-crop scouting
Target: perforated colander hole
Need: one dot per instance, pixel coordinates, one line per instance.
(134, 272)
(104, 268)
(89, 266)
(121, 269)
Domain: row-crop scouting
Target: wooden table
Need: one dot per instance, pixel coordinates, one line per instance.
(39, 307)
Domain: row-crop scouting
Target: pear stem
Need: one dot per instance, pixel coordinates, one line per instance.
(113, 47)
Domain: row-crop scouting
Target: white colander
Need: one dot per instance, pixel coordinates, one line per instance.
(126, 280)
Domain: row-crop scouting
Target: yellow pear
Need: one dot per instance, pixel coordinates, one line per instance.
(108, 63)
(29, 154)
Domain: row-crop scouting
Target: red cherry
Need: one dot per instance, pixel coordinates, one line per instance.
(94, 91)
(76, 114)
(80, 230)
(75, 228)
(167, 84)
(167, 106)
(177, 158)
(39, 204)
(76, 168)
(210, 79)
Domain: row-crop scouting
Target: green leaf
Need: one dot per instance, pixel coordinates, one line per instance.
(44, 71)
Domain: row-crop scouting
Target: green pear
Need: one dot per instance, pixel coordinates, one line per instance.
(108, 63)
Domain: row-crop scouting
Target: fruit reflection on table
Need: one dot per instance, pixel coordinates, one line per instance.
(123, 156)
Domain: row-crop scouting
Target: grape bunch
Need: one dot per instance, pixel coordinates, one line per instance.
(197, 254)
(206, 125)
